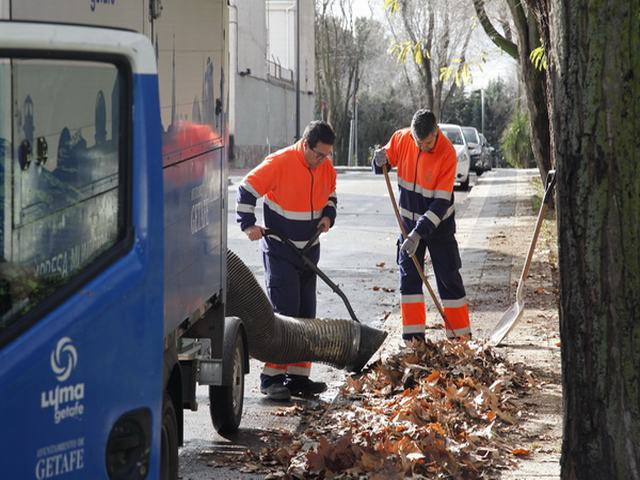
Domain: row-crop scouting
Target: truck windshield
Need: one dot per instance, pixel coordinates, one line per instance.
(60, 179)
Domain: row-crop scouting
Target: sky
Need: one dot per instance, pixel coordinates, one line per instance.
(498, 64)
(361, 8)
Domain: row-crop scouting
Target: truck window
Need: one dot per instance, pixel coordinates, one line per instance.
(61, 198)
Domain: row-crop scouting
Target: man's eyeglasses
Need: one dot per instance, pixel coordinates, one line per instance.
(321, 155)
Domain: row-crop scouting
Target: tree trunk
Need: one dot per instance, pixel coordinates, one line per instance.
(594, 87)
(535, 86)
(533, 79)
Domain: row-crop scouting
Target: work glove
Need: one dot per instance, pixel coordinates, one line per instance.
(380, 157)
(410, 244)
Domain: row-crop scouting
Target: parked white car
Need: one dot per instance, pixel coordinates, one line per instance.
(455, 135)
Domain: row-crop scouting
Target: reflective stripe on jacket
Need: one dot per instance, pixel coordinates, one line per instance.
(425, 181)
(295, 197)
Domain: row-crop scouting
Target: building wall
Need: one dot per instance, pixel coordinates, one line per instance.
(263, 96)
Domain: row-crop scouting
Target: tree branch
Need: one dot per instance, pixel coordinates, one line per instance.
(501, 42)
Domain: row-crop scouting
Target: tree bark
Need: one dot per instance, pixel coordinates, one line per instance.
(594, 87)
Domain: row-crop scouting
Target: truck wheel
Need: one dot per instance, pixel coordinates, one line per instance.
(169, 441)
(465, 185)
(226, 401)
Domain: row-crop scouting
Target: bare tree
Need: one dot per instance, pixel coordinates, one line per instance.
(341, 43)
(434, 36)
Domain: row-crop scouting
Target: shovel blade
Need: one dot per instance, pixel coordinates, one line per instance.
(508, 320)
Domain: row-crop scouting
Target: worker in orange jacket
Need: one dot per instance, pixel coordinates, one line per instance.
(426, 165)
(298, 184)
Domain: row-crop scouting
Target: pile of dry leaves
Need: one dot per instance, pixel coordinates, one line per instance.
(435, 409)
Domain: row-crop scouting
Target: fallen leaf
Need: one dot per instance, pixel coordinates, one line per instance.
(520, 452)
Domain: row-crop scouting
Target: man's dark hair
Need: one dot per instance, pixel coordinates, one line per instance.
(423, 123)
(319, 131)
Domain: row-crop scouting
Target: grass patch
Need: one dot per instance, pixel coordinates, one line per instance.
(538, 193)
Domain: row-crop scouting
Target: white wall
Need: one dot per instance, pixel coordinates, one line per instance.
(264, 107)
(252, 36)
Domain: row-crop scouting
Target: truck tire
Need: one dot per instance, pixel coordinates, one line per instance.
(169, 441)
(465, 185)
(226, 401)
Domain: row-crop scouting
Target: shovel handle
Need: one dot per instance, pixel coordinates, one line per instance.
(311, 241)
(550, 184)
(313, 266)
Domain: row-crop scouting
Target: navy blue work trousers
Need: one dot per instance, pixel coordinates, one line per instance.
(291, 285)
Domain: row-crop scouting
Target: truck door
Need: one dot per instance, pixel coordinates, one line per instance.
(81, 258)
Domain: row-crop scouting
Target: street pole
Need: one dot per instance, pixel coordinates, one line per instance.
(350, 154)
(482, 110)
(355, 133)
(297, 70)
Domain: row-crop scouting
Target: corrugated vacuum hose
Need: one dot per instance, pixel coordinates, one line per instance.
(280, 339)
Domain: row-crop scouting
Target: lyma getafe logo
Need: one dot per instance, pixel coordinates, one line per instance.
(65, 399)
(64, 359)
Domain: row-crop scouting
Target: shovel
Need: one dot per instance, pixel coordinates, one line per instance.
(302, 254)
(511, 317)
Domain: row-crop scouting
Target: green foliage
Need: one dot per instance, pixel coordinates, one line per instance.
(538, 57)
(516, 141)
(466, 109)
(379, 115)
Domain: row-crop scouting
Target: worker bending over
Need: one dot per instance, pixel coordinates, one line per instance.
(298, 184)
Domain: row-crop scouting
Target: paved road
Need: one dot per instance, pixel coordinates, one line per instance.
(363, 237)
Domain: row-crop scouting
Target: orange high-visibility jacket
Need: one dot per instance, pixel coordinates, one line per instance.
(295, 197)
(425, 181)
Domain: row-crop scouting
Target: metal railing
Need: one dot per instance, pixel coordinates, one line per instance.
(274, 69)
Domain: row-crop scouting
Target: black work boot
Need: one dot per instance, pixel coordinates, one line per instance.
(301, 386)
(273, 387)
(409, 338)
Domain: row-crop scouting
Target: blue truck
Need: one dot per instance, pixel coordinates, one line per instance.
(113, 156)
(118, 294)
